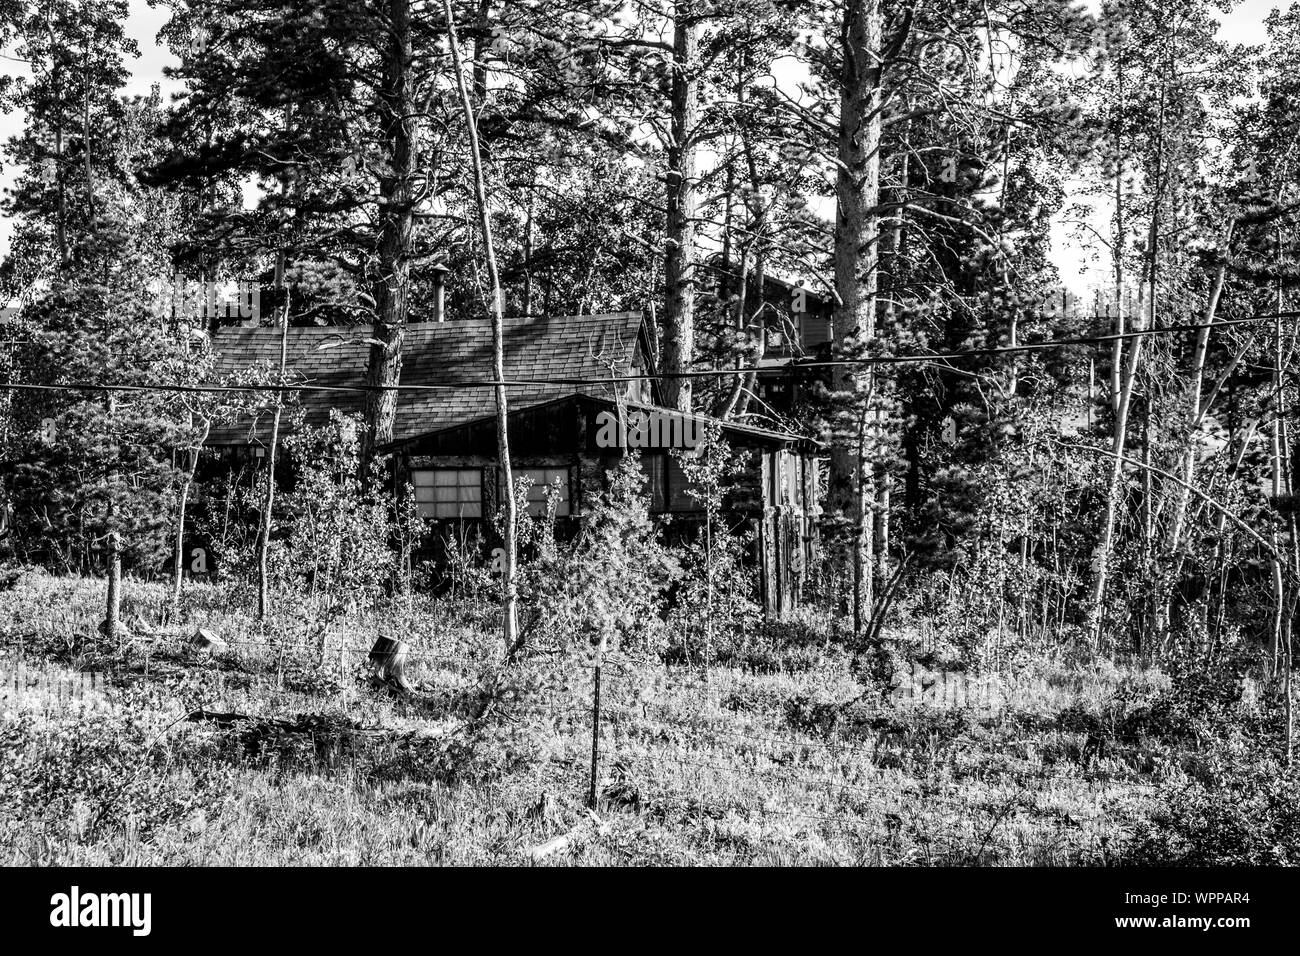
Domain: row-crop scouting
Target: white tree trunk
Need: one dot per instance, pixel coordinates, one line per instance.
(510, 597)
(1101, 556)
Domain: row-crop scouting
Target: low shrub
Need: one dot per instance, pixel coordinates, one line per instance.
(1237, 808)
(87, 774)
(770, 647)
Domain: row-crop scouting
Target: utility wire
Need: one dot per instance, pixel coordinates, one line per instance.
(927, 357)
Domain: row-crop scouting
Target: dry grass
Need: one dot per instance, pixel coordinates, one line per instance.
(741, 768)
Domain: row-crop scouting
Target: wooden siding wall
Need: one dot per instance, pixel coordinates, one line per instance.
(787, 538)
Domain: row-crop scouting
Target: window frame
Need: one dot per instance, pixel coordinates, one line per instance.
(669, 482)
(564, 507)
(433, 503)
(661, 460)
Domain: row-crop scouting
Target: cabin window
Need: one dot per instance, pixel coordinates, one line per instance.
(653, 466)
(679, 488)
(668, 485)
(539, 490)
(449, 492)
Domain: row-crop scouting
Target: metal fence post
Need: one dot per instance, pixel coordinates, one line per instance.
(595, 734)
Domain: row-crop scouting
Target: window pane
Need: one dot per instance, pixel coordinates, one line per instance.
(652, 466)
(448, 492)
(679, 499)
(542, 481)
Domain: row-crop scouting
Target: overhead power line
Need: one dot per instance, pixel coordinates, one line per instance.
(905, 359)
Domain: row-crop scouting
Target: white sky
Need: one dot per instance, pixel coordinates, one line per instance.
(1245, 25)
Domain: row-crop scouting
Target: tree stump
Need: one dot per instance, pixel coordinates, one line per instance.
(206, 641)
(387, 660)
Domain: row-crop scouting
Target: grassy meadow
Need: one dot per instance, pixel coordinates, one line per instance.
(151, 761)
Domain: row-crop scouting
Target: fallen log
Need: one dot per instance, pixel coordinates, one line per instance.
(315, 724)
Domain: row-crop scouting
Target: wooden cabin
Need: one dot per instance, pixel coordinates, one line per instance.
(583, 396)
(796, 320)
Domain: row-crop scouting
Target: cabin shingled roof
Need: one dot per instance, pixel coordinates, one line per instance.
(555, 347)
